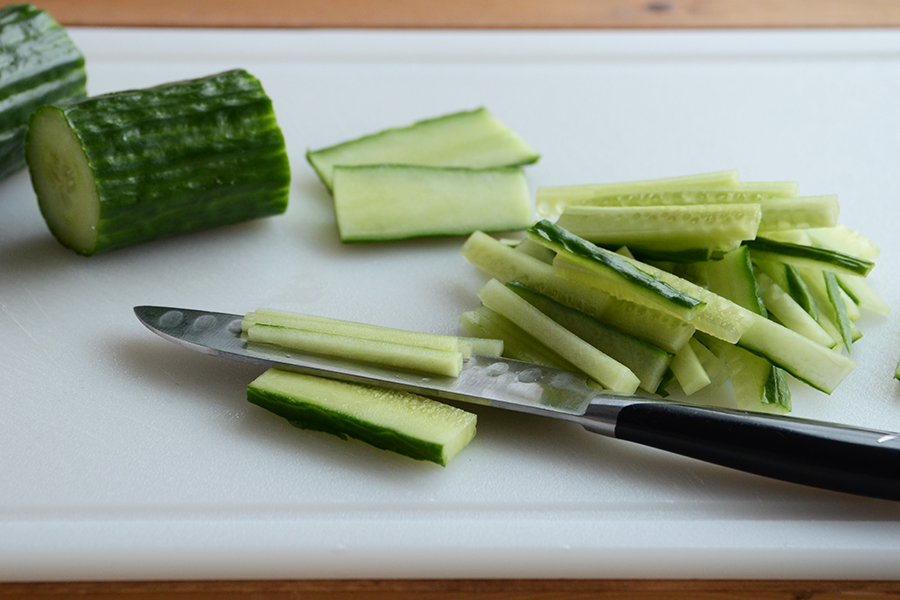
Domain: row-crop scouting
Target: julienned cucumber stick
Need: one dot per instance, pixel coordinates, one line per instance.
(39, 64)
(138, 165)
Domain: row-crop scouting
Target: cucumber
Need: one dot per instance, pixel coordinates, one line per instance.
(789, 313)
(688, 371)
(802, 255)
(719, 227)
(391, 202)
(732, 278)
(129, 167)
(475, 139)
(622, 278)
(645, 360)
(389, 419)
(39, 65)
(805, 212)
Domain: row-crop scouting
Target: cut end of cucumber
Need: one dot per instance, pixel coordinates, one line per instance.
(62, 180)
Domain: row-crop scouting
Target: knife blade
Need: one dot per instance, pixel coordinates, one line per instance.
(825, 455)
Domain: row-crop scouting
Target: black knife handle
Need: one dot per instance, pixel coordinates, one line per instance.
(813, 453)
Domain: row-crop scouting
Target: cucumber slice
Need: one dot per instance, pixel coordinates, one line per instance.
(39, 65)
(732, 278)
(507, 264)
(719, 227)
(622, 278)
(846, 240)
(390, 202)
(688, 371)
(789, 313)
(862, 294)
(134, 166)
(413, 358)
(475, 139)
(833, 291)
(806, 212)
(552, 200)
(611, 374)
(809, 256)
(757, 386)
(392, 420)
(645, 360)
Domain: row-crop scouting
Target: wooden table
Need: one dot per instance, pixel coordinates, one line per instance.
(507, 14)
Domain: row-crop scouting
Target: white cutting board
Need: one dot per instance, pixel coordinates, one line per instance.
(123, 456)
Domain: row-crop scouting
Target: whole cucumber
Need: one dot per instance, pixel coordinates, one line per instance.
(39, 64)
(133, 166)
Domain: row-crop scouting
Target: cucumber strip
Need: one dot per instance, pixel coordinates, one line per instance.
(688, 371)
(552, 200)
(623, 278)
(833, 290)
(475, 139)
(715, 367)
(809, 256)
(719, 227)
(863, 295)
(401, 422)
(646, 361)
(518, 344)
(732, 278)
(829, 316)
(591, 361)
(757, 385)
(378, 333)
(804, 212)
(119, 169)
(720, 317)
(789, 313)
(535, 250)
(39, 65)
(506, 264)
(413, 358)
(843, 239)
(808, 361)
(390, 202)
(480, 345)
(791, 236)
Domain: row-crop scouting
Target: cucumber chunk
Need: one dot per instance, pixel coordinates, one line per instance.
(129, 167)
(475, 139)
(390, 202)
(39, 65)
(392, 420)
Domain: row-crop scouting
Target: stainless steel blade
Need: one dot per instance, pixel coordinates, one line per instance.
(485, 380)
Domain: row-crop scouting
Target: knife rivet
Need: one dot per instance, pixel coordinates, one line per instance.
(235, 326)
(172, 318)
(530, 375)
(496, 369)
(204, 322)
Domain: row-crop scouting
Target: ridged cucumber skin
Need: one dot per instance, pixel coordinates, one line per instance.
(175, 158)
(473, 139)
(39, 65)
(401, 422)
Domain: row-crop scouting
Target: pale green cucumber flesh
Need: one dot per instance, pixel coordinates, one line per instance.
(645, 360)
(732, 278)
(39, 65)
(392, 420)
(475, 139)
(688, 371)
(805, 212)
(718, 227)
(161, 161)
(391, 202)
(802, 255)
(789, 313)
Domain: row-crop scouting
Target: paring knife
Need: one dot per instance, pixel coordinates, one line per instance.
(814, 453)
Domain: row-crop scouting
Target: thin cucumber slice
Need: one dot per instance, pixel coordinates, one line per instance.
(535, 250)
(829, 310)
(809, 256)
(552, 200)
(623, 278)
(789, 313)
(756, 384)
(808, 361)
(862, 294)
(391, 202)
(378, 333)
(833, 290)
(611, 374)
(843, 239)
(39, 65)
(688, 371)
(518, 344)
(401, 422)
(480, 345)
(506, 264)
(475, 139)
(715, 367)
(732, 278)
(719, 227)
(413, 358)
(645, 360)
(805, 212)
(119, 169)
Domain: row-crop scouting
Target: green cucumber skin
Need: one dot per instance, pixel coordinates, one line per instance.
(39, 65)
(307, 416)
(181, 157)
(829, 260)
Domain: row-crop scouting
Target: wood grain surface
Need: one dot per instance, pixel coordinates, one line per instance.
(499, 14)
